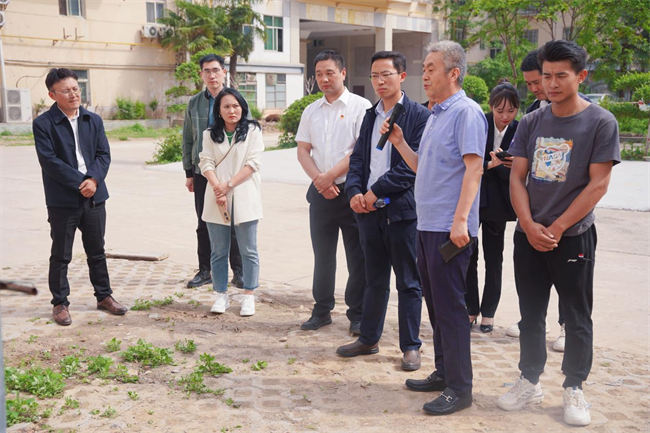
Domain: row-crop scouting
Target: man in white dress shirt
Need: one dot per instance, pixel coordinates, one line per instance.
(328, 130)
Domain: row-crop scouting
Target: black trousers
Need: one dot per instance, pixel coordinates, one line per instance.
(493, 243)
(90, 218)
(570, 267)
(443, 286)
(384, 246)
(203, 250)
(326, 218)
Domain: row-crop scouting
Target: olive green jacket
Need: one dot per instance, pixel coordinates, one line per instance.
(196, 121)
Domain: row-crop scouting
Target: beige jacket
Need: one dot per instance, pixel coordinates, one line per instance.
(246, 196)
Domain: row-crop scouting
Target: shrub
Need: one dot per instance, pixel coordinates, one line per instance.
(291, 119)
(256, 113)
(476, 88)
(624, 109)
(128, 109)
(169, 149)
(153, 105)
(635, 153)
(628, 125)
(642, 93)
(176, 108)
(632, 81)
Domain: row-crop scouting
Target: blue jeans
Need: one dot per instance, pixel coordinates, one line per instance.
(220, 246)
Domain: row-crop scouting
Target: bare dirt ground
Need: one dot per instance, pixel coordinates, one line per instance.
(305, 386)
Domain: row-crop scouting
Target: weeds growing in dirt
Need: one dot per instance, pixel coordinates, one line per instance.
(145, 305)
(208, 365)
(38, 381)
(113, 345)
(259, 365)
(148, 355)
(186, 346)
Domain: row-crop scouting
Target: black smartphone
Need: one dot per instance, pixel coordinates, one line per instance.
(502, 155)
(449, 250)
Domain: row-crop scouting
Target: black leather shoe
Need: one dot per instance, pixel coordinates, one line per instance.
(486, 328)
(315, 323)
(355, 328)
(357, 348)
(431, 383)
(237, 280)
(202, 277)
(447, 403)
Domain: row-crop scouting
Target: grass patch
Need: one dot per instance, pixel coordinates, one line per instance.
(21, 410)
(35, 380)
(259, 365)
(208, 365)
(113, 345)
(146, 304)
(187, 346)
(69, 366)
(148, 355)
(139, 131)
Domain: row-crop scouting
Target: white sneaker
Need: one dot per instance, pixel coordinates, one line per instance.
(513, 330)
(576, 408)
(221, 304)
(522, 393)
(247, 305)
(558, 346)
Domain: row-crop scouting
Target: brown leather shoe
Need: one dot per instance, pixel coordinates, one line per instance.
(112, 306)
(411, 360)
(61, 315)
(357, 348)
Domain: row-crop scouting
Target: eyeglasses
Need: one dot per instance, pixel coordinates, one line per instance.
(210, 72)
(383, 75)
(69, 92)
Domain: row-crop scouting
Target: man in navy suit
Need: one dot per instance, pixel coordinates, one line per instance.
(387, 231)
(74, 156)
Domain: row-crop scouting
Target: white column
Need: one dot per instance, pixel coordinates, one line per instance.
(384, 36)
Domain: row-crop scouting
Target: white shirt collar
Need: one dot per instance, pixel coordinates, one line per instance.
(73, 118)
(344, 98)
(380, 105)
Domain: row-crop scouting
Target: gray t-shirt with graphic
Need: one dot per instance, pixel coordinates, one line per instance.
(559, 151)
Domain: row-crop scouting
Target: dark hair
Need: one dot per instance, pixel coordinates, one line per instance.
(212, 58)
(55, 75)
(504, 92)
(557, 51)
(399, 61)
(335, 56)
(530, 62)
(218, 126)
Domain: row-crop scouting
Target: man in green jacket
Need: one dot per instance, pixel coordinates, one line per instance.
(198, 117)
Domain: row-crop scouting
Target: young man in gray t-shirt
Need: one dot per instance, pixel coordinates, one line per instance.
(564, 154)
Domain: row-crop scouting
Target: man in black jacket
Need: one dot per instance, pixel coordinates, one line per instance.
(387, 231)
(74, 156)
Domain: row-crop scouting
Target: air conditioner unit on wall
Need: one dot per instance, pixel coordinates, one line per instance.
(3, 4)
(149, 31)
(16, 105)
(3, 19)
(164, 31)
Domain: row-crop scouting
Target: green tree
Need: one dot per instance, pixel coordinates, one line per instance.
(491, 70)
(498, 21)
(476, 88)
(195, 27)
(243, 25)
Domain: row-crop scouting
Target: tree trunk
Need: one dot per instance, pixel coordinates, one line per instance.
(233, 71)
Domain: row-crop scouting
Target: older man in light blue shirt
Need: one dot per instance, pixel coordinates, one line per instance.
(448, 166)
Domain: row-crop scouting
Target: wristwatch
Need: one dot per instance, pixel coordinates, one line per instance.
(230, 185)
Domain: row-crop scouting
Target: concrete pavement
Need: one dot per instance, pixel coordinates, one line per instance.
(151, 211)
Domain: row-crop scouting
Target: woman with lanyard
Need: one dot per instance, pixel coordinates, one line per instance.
(230, 161)
(495, 206)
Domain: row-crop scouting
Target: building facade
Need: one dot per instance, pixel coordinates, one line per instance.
(115, 49)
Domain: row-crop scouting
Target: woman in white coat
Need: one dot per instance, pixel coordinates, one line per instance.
(230, 161)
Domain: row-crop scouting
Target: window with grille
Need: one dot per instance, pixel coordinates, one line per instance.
(531, 36)
(247, 86)
(155, 10)
(82, 75)
(276, 90)
(71, 7)
(274, 33)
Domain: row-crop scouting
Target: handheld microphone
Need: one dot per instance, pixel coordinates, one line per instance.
(398, 110)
